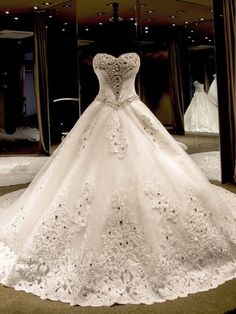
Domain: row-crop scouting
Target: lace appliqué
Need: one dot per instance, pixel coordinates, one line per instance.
(200, 225)
(204, 241)
(125, 269)
(160, 203)
(82, 206)
(118, 143)
(85, 137)
(148, 127)
(117, 69)
(121, 228)
(116, 105)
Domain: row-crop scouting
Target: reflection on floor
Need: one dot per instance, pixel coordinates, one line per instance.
(24, 140)
(19, 170)
(23, 133)
(19, 147)
(209, 162)
(199, 142)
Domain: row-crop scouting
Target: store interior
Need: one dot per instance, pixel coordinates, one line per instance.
(75, 32)
(176, 43)
(47, 81)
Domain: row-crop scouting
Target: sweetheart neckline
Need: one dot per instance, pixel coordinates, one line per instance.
(123, 54)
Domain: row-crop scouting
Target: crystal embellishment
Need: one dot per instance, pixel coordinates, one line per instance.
(118, 143)
(117, 69)
(116, 105)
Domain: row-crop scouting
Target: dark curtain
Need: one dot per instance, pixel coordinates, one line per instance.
(41, 81)
(176, 82)
(12, 81)
(224, 20)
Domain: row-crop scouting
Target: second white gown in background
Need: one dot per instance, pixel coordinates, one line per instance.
(212, 92)
(201, 115)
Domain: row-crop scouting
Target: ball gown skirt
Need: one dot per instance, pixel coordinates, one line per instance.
(119, 213)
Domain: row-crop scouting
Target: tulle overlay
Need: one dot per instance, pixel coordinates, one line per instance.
(119, 214)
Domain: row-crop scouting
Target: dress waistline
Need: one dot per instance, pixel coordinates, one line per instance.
(116, 104)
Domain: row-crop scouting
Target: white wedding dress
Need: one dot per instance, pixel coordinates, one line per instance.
(212, 92)
(120, 213)
(201, 115)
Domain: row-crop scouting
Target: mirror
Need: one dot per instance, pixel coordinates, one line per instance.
(18, 114)
(178, 75)
(62, 57)
(174, 39)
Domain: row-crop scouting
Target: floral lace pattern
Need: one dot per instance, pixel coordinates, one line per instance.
(149, 128)
(161, 204)
(127, 269)
(86, 135)
(117, 69)
(205, 239)
(118, 143)
(82, 206)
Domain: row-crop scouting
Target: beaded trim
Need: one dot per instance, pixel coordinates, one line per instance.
(116, 104)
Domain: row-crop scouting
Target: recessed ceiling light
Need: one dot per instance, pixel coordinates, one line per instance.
(186, 22)
(146, 32)
(135, 24)
(100, 23)
(101, 13)
(206, 37)
(50, 17)
(131, 19)
(193, 40)
(173, 16)
(35, 8)
(47, 3)
(196, 23)
(150, 11)
(142, 5)
(16, 18)
(86, 29)
(211, 11)
(173, 25)
(46, 27)
(63, 30)
(7, 12)
(189, 37)
(209, 40)
(180, 11)
(66, 23)
(67, 5)
(146, 27)
(149, 19)
(201, 19)
(192, 31)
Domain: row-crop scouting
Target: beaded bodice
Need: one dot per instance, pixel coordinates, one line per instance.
(198, 86)
(116, 75)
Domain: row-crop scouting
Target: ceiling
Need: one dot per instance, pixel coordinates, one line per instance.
(87, 10)
(194, 15)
